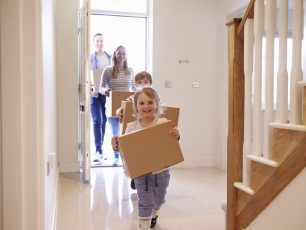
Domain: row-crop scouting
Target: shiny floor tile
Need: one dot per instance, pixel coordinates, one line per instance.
(193, 201)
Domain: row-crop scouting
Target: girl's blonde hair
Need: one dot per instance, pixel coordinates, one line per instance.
(115, 69)
(151, 93)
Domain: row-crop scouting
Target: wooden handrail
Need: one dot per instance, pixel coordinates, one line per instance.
(249, 13)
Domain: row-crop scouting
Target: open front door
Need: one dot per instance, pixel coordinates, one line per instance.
(84, 90)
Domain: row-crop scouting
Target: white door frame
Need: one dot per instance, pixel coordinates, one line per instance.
(84, 91)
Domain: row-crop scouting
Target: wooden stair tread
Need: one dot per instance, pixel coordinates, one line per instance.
(244, 188)
(301, 83)
(288, 126)
(262, 160)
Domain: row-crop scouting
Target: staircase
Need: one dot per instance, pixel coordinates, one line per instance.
(266, 144)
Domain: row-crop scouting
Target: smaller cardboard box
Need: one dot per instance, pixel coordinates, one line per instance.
(128, 115)
(114, 100)
(170, 112)
(96, 79)
(149, 150)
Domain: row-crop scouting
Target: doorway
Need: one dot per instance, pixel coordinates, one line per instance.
(119, 27)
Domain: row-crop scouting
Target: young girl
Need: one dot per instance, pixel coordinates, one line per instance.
(151, 188)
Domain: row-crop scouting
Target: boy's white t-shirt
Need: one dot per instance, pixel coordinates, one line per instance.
(102, 61)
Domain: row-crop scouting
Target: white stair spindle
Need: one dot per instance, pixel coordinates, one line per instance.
(296, 92)
(248, 70)
(303, 50)
(282, 76)
(257, 112)
(270, 27)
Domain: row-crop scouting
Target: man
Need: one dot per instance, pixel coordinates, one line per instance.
(99, 60)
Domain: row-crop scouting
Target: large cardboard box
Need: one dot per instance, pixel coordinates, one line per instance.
(115, 99)
(149, 150)
(96, 79)
(170, 112)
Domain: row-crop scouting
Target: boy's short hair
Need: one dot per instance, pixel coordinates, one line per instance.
(143, 74)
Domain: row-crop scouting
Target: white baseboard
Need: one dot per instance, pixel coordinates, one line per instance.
(196, 163)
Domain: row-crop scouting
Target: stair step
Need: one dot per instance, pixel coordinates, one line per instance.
(262, 160)
(244, 188)
(301, 83)
(288, 126)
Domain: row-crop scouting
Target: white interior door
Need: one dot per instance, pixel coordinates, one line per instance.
(84, 90)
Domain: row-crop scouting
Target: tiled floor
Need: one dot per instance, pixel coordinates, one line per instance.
(193, 201)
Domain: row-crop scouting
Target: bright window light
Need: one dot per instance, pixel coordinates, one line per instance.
(123, 30)
(136, 6)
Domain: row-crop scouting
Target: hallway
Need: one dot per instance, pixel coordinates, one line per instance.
(193, 201)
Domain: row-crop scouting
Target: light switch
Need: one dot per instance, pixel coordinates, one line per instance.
(195, 84)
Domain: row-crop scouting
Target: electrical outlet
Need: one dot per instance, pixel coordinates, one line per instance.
(48, 168)
(168, 84)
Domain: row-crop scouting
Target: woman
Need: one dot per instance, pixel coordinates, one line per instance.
(117, 77)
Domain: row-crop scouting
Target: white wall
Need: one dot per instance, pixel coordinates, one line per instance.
(49, 112)
(189, 31)
(67, 84)
(28, 117)
(11, 120)
(195, 30)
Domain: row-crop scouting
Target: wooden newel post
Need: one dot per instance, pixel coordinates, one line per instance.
(235, 119)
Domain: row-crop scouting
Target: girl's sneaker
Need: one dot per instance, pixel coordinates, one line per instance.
(154, 218)
(133, 184)
(153, 221)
